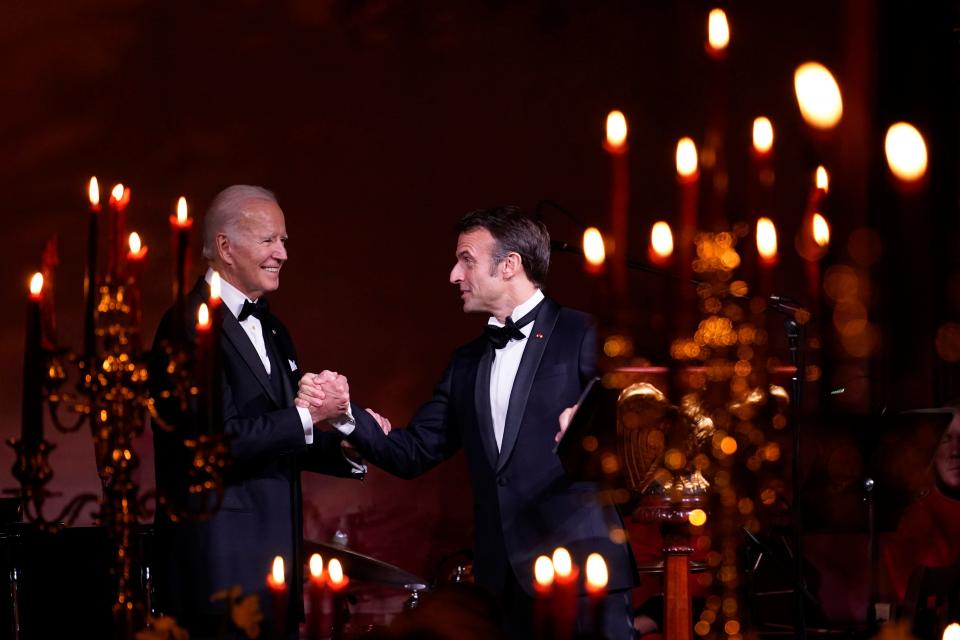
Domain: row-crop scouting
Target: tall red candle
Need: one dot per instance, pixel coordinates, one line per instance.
(616, 147)
(119, 199)
(316, 625)
(180, 224)
(596, 583)
(767, 254)
(276, 581)
(543, 603)
(338, 585)
(90, 277)
(565, 594)
(688, 182)
(31, 417)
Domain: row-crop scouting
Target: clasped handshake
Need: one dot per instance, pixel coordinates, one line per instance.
(326, 395)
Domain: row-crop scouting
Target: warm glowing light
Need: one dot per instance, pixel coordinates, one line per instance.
(766, 239)
(135, 242)
(117, 192)
(728, 445)
(718, 30)
(661, 239)
(93, 191)
(316, 565)
(593, 249)
(906, 152)
(686, 157)
(215, 286)
(821, 230)
(203, 316)
(543, 571)
(335, 572)
(277, 571)
(697, 517)
(818, 95)
(762, 135)
(596, 572)
(616, 129)
(823, 179)
(182, 210)
(36, 284)
(562, 563)
(952, 632)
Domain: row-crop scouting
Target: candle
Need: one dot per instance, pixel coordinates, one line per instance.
(180, 224)
(906, 153)
(276, 581)
(688, 178)
(661, 244)
(208, 377)
(814, 236)
(338, 584)
(318, 591)
(767, 253)
(136, 256)
(565, 594)
(718, 33)
(714, 157)
(31, 416)
(203, 354)
(543, 588)
(594, 252)
(616, 147)
(596, 570)
(90, 277)
(119, 199)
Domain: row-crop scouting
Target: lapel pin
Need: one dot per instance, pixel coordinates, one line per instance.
(538, 335)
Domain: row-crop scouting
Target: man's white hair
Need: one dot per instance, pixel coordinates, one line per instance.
(224, 213)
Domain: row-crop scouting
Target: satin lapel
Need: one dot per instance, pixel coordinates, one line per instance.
(529, 363)
(283, 361)
(481, 400)
(241, 342)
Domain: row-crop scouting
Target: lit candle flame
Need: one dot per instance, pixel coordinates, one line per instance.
(543, 571)
(277, 571)
(593, 249)
(718, 30)
(215, 286)
(596, 572)
(562, 563)
(135, 242)
(36, 284)
(906, 152)
(117, 192)
(203, 315)
(818, 95)
(766, 239)
(762, 135)
(616, 129)
(93, 191)
(182, 210)
(316, 565)
(952, 632)
(335, 571)
(661, 239)
(823, 179)
(686, 157)
(821, 230)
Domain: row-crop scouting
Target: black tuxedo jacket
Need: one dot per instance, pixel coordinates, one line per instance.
(260, 516)
(524, 504)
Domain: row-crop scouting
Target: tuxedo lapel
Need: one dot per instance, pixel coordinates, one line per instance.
(481, 401)
(281, 362)
(529, 363)
(233, 332)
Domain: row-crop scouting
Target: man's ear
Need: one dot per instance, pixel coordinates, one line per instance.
(224, 250)
(511, 265)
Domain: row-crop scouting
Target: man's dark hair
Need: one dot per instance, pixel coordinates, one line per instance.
(514, 232)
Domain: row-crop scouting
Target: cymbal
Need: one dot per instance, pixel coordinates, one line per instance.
(358, 566)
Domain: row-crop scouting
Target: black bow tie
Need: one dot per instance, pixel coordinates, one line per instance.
(500, 336)
(259, 309)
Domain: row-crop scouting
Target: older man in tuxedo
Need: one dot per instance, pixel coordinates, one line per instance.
(500, 400)
(270, 439)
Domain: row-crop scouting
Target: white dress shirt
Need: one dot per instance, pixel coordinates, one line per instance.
(233, 300)
(506, 361)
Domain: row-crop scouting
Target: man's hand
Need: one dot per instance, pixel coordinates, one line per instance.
(325, 395)
(383, 422)
(565, 418)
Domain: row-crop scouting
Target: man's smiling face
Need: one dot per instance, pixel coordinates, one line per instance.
(256, 249)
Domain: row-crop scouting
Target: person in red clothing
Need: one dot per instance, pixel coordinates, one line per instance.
(928, 534)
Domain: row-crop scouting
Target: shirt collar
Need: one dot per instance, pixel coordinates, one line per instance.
(521, 309)
(231, 297)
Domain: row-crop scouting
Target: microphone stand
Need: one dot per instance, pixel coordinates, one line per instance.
(795, 331)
